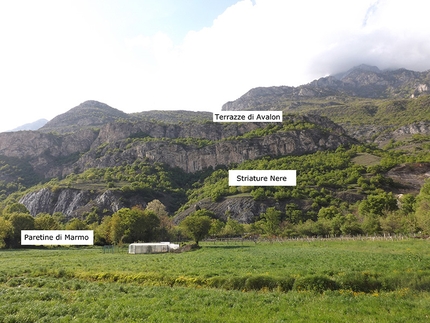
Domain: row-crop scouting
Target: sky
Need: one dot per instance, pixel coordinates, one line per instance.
(191, 54)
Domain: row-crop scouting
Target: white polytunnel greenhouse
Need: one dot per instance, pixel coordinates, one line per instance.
(152, 247)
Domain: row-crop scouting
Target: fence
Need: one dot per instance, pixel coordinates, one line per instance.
(257, 239)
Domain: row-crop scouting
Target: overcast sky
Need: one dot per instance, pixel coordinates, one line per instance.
(190, 54)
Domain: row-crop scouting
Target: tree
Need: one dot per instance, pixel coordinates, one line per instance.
(422, 213)
(135, 224)
(258, 194)
(328, 213)
(157, 207)
(76, 224)
(407, 204)
(307, 228)
(45, 221)
(371, 224)
(6, 231)
(197, 224)
(20, 221)
(293, 213)
(377, 204)
(233, 228)
(271, 221)
(102, 232)
(216, 227)
(166, 224)
(15, 208)
(395, 222)
(350, 225)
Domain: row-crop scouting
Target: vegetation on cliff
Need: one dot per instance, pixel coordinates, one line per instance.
(181, 159)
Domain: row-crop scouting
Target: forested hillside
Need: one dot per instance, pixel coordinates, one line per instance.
(361, 151)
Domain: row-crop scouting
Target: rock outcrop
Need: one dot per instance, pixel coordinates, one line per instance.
(411, 176)
(75, 203)
(416, 128)
(240, 208)
(191, 158)
(47, 153)
(57, 155)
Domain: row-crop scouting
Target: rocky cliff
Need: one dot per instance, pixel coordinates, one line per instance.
(192, 147)
(47, 153)
(76, 203)
(192, 158)
(416, 128)
(57, 155)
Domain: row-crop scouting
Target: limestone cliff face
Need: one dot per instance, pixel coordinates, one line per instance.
(114, 132)
(57, 155)
(326, 135)
(33, 143)
(238, 151)
(75, 203)
(47, 153)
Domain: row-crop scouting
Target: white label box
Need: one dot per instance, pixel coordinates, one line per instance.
(262, 177)
(247, 116)
(57, 237)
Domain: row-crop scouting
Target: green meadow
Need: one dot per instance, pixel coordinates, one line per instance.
(291, 281)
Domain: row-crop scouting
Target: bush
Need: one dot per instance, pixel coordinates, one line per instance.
(237, 283)
(260, 282)
(360, 282)
(251, 283)
(317, 283)
(286, 284)
(216, 282)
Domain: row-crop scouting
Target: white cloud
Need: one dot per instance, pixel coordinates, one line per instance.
(57, 54)
(393, 35)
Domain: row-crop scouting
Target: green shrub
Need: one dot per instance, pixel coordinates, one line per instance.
(236, 283)
(216, 282)
(260, 282)
(286, 284)
(317, 283)
(360, 282)
(418, 281)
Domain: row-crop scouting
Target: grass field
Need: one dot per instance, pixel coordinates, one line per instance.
(293, 281)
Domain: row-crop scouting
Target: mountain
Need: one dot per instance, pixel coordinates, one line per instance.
(362, 81)
(364, 100)
(362, 67)
(93, 138)
(97, 159)
(32, 125)
(89, 114)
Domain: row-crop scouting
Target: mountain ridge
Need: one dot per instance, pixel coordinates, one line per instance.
(90, 113)
(363, 82)
(94, 148)
(36, 125)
